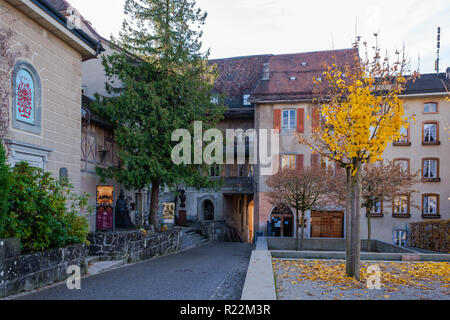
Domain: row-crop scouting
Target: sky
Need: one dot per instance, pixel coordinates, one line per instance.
(250, 27)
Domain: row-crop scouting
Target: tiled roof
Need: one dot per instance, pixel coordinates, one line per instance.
(428, 83)
(62, 6)
(238, 76)
(291, 75)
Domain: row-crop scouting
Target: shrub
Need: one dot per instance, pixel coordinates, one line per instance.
(38, 213)
(5, 187)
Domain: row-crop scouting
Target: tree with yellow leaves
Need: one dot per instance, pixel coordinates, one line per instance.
(361, 112)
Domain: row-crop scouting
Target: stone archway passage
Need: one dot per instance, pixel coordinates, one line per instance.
(208, 210)
(282, 221)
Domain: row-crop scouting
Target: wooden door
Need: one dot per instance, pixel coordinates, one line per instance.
(327, 224)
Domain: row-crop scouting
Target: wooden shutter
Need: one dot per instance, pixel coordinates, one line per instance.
(301, 120)
(315, 161)
(339, 170)
(275, 158)
(277, 119)
(299, 163)
(315, 117)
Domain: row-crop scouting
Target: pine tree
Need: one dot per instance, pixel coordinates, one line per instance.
(159, 81)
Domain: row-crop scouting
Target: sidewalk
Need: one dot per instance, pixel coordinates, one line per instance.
(260, 281)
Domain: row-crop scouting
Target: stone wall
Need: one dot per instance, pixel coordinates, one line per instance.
(59, 68)
(430, 235)
(132, 245)
(324, 244)
(35, 270)
(219, 231)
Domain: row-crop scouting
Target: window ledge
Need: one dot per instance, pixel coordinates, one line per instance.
(402, 144)
(431, 216)
(434, 143)
(431, 180)
(401, 215)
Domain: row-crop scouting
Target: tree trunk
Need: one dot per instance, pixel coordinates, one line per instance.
(355, 248)
(351, 224)
(154, 204)
(369, 231)
(302, 232)
(296, 230)
(348, 208)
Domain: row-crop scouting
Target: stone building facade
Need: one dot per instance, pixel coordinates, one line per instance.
(98, 148)
(283, 101)
(45, 108)
(276, 92)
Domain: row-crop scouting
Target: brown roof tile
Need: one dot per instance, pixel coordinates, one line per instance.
(238, 76)
(283, 67)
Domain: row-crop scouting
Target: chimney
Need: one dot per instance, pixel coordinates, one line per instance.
(447, 74)
(266, 72)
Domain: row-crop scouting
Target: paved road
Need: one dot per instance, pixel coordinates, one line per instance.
(213, 271)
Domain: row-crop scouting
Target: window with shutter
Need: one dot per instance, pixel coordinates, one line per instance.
(299, 163)
(288, 161)
(301, 120)
(277, 119)
(288, 121)
(315, 118)
(315, 161)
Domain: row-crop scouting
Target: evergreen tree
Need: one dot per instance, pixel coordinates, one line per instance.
(159, 81)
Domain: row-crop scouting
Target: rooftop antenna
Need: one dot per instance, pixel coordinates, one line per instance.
(438, 47)
(357, 38)
(418, 62)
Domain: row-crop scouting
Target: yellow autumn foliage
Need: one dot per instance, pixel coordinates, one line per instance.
(394, 275)
(361, 117)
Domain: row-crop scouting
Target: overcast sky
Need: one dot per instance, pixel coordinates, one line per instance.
(248, 27)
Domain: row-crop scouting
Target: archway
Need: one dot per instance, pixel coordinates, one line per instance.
(208, 210)
(282, 221)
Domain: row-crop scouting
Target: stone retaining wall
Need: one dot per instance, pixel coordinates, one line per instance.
(324, 244)
(219, 230)
(430, 235)
(35, 270)
(132, 246)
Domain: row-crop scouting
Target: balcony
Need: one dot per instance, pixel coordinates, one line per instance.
(238, 185)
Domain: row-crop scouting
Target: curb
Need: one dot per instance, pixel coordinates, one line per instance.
(259, 282)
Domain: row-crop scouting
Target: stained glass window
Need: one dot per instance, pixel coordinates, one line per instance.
(25, 97)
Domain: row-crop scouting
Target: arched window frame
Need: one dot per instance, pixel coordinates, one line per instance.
(17, 124)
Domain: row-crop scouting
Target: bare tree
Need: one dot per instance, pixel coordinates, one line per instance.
(380, 182)
(301, 190)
